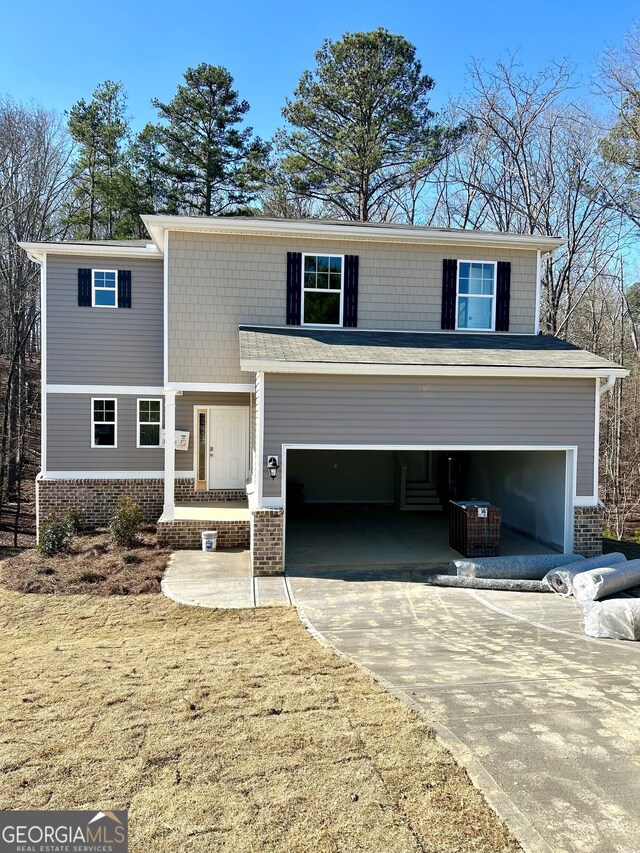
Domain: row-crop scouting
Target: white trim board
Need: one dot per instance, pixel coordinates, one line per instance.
(356, 369)
(222, 387)
(39, 250)
(95, 390)
(112, 475)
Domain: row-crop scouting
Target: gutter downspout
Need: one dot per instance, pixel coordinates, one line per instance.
(607, 386)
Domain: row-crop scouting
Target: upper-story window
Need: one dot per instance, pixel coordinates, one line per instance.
(476, 295)
(322, 288)
(104, 289)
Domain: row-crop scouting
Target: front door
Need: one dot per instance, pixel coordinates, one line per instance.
(228, 448)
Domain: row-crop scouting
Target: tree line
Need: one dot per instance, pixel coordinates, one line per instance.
(516, 151)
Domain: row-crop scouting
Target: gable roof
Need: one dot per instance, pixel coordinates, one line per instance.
(309, 350)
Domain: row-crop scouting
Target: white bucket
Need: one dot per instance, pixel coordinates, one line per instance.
(209, 538)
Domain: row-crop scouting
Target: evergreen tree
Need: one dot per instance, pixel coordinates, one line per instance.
(214, 165)
(361, 127)
(101, 130)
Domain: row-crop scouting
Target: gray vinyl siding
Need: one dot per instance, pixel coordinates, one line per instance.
(104, 346)
(69, 437)
(445, 411)
(185, 417)
(217, 282)
(69, 433)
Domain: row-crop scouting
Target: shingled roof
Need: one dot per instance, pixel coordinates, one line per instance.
(323, 350)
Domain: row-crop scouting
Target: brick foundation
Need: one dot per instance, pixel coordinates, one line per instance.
(184, 535)
(97, 499)
(267, 542)
(587, 530)
(185, 492)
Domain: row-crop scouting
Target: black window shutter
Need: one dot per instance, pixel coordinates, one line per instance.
(350, 308)
(84, 288)
(449, 275)
(124, 288)
(294, 287)
(503, 296)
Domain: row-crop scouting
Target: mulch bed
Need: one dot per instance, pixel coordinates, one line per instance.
(92, 564)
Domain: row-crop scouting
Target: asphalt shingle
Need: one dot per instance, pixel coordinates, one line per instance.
(351, 346)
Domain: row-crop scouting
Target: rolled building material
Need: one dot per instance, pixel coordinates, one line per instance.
(526, 567)
(615, 618)
(561, 580)
(506, 584)
(600, 583)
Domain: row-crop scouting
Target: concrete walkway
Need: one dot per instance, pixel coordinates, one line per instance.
(546, 720)
(221, 579)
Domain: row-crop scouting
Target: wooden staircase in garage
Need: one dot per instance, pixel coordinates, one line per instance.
(420, 496)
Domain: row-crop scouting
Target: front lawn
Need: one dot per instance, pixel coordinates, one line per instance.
(219, 731)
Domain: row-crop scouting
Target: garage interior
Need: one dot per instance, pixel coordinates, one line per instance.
(391, 507)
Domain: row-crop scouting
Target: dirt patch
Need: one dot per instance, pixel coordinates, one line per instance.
(220, 730)
(93, 564)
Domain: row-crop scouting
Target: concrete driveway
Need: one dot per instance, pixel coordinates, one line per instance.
(546, 719)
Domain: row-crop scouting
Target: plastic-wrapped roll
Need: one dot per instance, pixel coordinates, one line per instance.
(561, 580)
(526, 567)
(615, 618)
(600, 583)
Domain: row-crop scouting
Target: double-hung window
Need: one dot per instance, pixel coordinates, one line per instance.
(149, 423)
(476, 295)
(104, 291)
(322, 289)
(104, 429)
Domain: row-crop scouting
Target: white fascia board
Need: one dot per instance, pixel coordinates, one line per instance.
(96, 390)
(222, 387)
(319, 230)
(37, 251)
(424, 370)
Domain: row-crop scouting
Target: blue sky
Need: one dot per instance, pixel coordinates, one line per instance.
(56, 52)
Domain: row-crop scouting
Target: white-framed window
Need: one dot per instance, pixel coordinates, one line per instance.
(149, 423)
(476, 295)
(104, 422)
(104, 288)
(322, 290)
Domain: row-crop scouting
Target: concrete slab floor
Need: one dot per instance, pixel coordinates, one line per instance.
(220, 579)
(551, 715)
(348, 535)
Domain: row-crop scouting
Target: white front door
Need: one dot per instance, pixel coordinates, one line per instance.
(228, 448)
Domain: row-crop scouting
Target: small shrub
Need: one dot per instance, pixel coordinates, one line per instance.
(125, 522)
(75, 518)
(609, 532)
(636, 536)
(130, 558)
(54, 536)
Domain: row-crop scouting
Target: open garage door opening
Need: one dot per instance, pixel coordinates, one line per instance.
(390, 508)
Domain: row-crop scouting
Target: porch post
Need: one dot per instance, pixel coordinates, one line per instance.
(169, 455)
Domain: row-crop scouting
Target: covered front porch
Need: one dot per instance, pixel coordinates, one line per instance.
(231, 519)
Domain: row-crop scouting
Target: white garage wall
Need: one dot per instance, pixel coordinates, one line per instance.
(335, 476)
(529, 488)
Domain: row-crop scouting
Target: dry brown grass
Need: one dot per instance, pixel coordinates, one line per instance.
(92, 564)
(219, 731)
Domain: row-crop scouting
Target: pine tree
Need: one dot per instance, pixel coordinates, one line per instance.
(215, 166)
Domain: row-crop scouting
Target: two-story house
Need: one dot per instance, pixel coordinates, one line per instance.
(312, 361)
